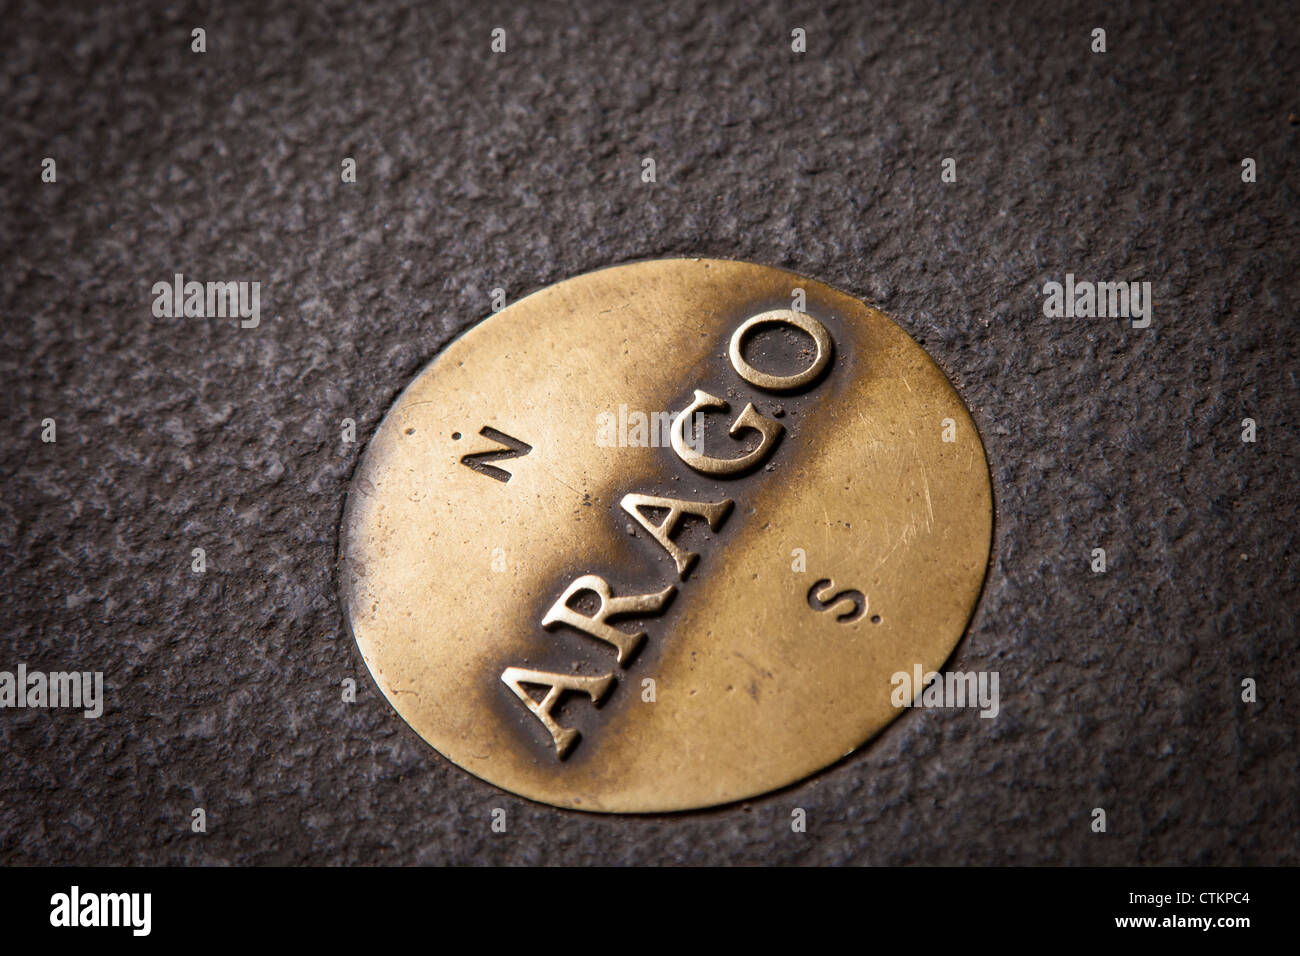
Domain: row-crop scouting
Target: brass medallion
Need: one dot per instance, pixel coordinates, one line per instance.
(657, 537)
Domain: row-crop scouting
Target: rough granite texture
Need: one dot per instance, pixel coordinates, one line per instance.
(476, 170)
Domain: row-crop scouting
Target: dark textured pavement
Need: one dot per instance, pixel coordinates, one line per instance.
(1119, 690)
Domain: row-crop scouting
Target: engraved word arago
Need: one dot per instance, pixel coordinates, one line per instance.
(506, 577)
(598, 624)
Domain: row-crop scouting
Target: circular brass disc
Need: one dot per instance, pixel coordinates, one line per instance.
(854, 548)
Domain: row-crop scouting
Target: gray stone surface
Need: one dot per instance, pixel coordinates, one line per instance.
(475, 171)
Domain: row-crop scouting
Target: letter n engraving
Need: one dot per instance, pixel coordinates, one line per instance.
(479, 459)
